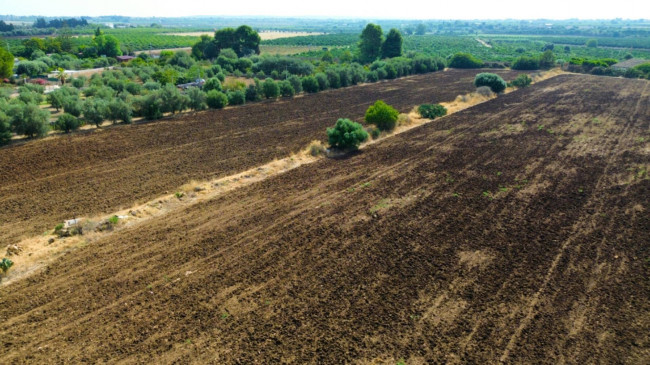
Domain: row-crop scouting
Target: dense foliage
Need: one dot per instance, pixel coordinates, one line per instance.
(432, 111)
(493, 81)
(465, 60)
(382, 115)
(346, 135)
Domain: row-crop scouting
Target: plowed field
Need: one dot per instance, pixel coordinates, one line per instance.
(515, 231)
(44, 182)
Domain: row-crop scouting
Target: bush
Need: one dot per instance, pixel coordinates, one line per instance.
(521, 81)
(252, 94)
(216, 99)
(295, 83)
(196, 99)
(236, 97)
(150, 106)
(322, 81)
(67, 123)
(286, 90)
(212, 83)
(5, 265)
(270, 88)
(72, 105)
(526, 63)
(346, 134)
(465, 60)
(78, 82)
(310, 84)
(119, 109)
(5, 129)
(382, 115)
(432, 111)
(493, 81)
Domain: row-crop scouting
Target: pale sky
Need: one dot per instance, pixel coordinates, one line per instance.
(378, 9)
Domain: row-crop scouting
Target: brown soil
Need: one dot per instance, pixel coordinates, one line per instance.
(462, 241)
(91, 172)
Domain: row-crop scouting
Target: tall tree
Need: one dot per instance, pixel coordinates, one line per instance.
(370, 45)
(248, 41)
(6, 63)
(392, 46)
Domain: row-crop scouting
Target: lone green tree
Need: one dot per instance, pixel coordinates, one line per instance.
(392, 46)
(370, 44)
(493, 81)
(382, 115)
(346, 135)
(243, 40)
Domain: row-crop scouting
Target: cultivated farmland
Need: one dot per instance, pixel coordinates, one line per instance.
(514, 231)
(47, 181)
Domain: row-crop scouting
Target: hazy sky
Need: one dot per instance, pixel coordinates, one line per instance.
(400, 9)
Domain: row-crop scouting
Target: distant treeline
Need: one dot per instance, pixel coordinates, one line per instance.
(60, 23)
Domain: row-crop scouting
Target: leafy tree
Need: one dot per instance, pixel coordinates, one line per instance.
(526, 63)
(493, 81)
(286, 90)
(72, 105)
(205, 48)
(5, 129)
(309, 84)
(237, 97)
(95, 110)
(370, 44)
(382, 115)
(30, 97)
(150, 106)
(244, 40)
(522, 81)
(346, 134)
(57, 97)
(197, 98)
(333, 78)
(592, 43)
(78, 82)
(6, 63)
(181, 59)
(421, 29)
(248, 41)
(30, 120)
(295, 83)
(465, 60)
(547, 59)
(212, 83)
(322, 81)
(392, 46)
(119, 109)
(432, 111)
(216, 99)
(327, 57)
(107, 45)
(251, 93)
(67, 123)
(271, 89)
(172, 99)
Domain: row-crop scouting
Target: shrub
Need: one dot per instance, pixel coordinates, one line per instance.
(78, 82)
(5, 265)
(382, 115)
(270, 88)
(286, 89)
(197, 98)
(150, 106)
(310, 84)
(465, 60)
(251, 93)
(493, 81)
(172, 99)
(67, 123)
(151, 85)
(346, 134)
(236, 97)
(295, 83)
(432, 111)
(322, 81)
(72, 105)
(5, 129)
(119, 109)
(526, 63)
(216, 99)
(484, 91)
(521, 81)
(212, 83)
